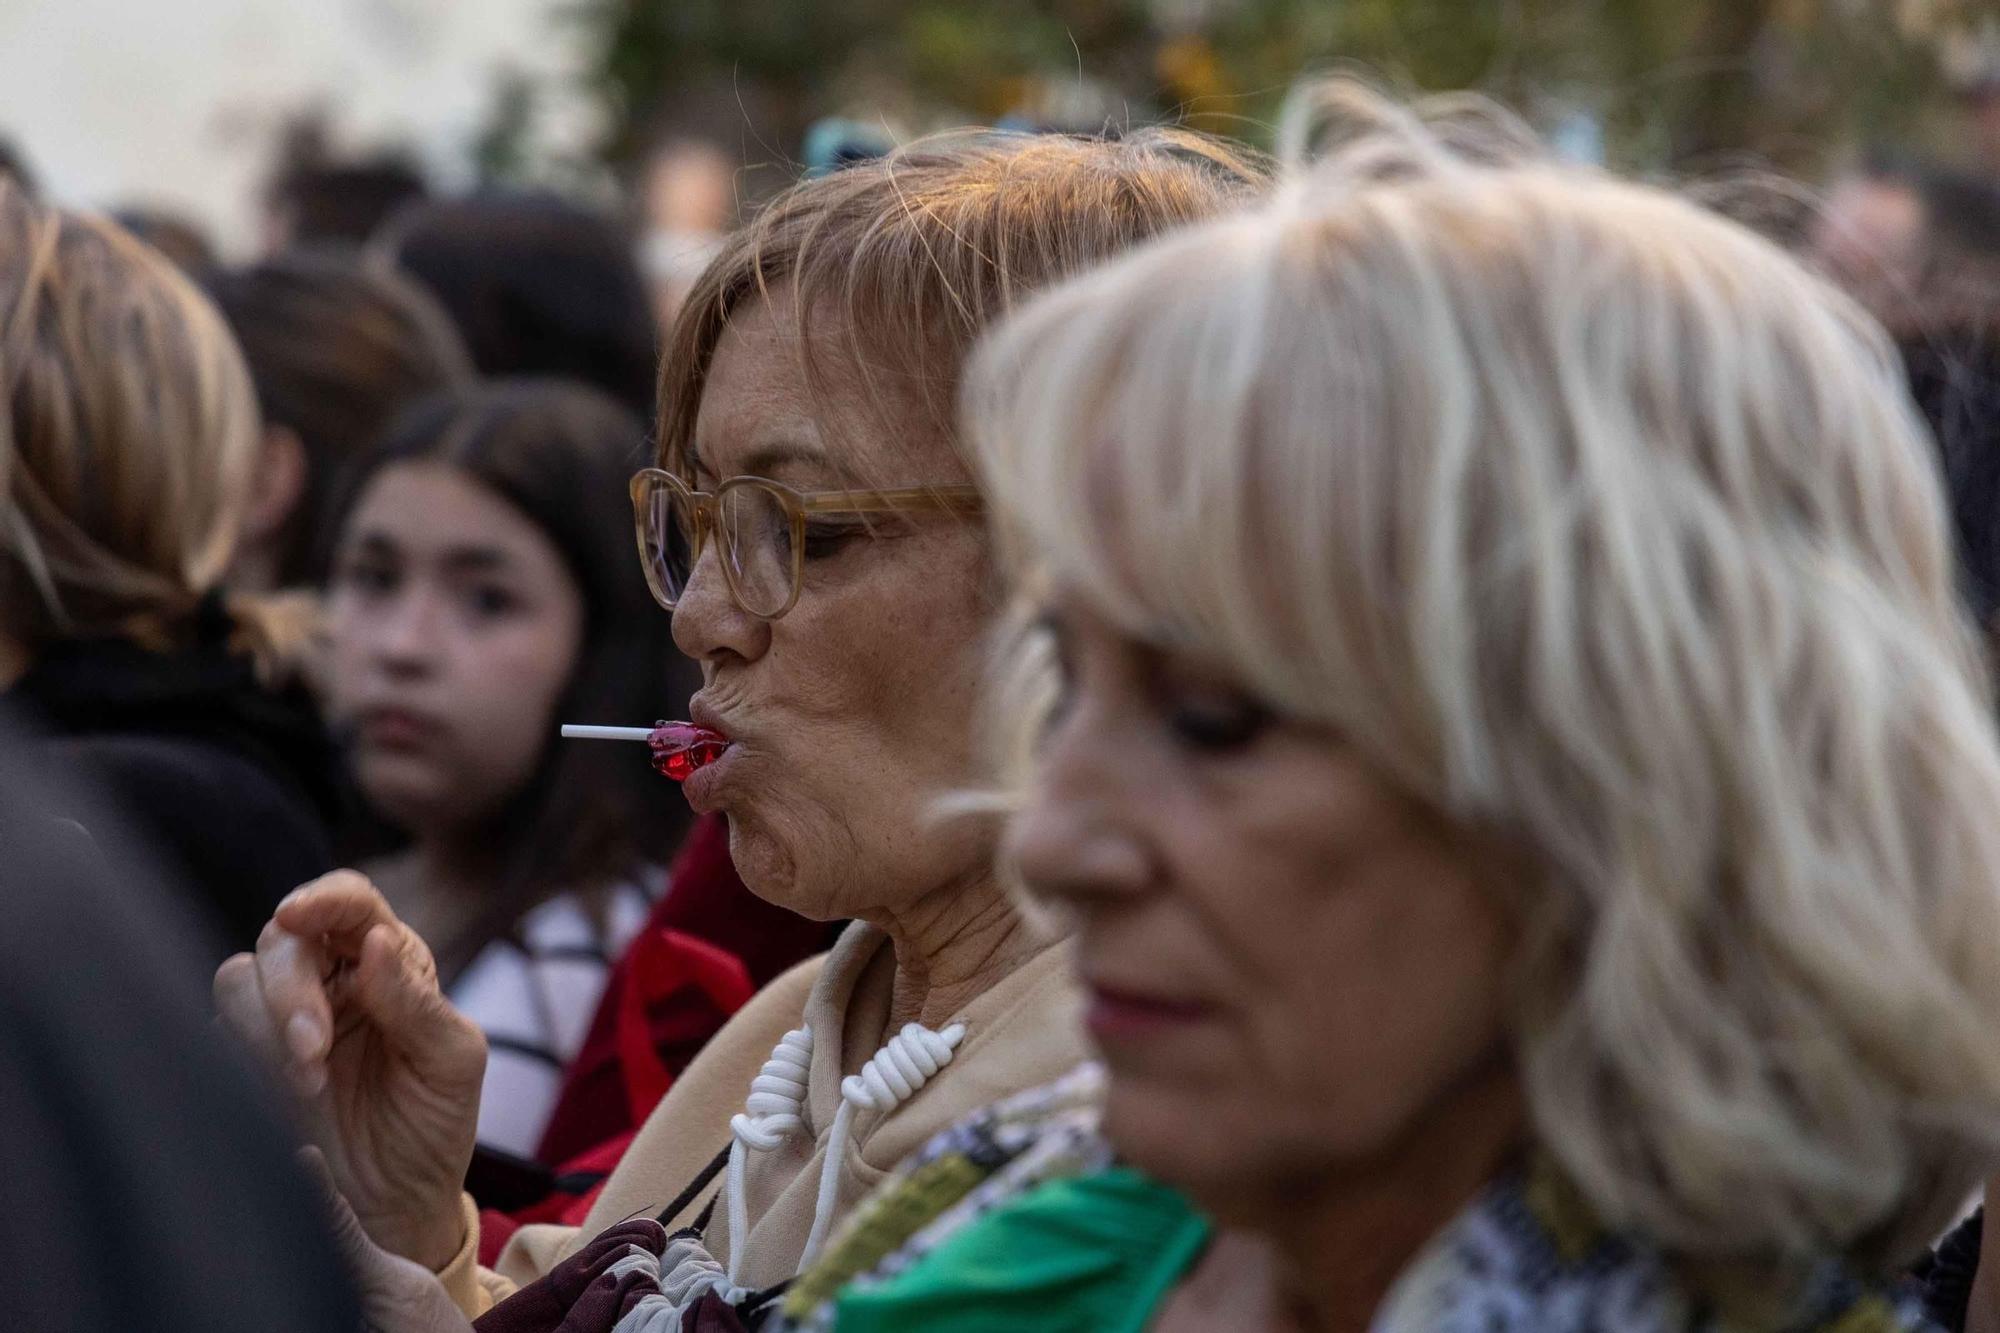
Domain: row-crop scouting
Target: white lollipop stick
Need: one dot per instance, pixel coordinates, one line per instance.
(571, 731)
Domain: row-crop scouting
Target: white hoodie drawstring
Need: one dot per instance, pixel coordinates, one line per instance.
(776, 1105)
(772, 1114)
(893, 1076)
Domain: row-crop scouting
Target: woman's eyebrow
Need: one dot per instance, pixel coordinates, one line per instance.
(767, 459)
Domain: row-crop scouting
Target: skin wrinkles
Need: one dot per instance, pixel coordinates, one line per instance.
(851, 712)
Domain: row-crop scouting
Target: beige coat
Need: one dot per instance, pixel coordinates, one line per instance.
(1023, 1032)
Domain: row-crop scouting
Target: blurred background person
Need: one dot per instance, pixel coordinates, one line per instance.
(484, 591)
(127, 448)
(174, 234)
(128, 1128)
(1918, 244)
(1911, 239)
(538, 285)
(316, 199)
(337, 347)
(1868, 233)
(687, 198)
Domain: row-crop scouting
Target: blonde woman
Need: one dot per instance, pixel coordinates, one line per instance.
(841, 648)
(128, 439)
(1515, 767)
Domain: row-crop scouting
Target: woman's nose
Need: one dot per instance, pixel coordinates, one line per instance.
(707, 621)
(1074, 851)
(1078, 836)
(406, 635)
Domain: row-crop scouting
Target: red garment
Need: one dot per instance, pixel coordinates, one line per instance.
(705, 949)
(704, 900)
(666, 971)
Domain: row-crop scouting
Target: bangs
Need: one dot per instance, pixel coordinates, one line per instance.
(899, 263)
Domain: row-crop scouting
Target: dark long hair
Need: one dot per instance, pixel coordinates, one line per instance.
(538, 285)
(337, 348)
(561, 454)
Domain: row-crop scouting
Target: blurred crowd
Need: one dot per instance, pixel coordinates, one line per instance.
(1397, 735)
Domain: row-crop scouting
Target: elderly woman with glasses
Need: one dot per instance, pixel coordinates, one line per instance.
(808, 530)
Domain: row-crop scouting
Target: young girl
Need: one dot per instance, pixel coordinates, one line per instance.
(483, 592)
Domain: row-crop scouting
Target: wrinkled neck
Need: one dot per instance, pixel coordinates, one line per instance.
(953, 946)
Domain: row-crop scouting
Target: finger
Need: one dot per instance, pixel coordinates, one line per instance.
(340, 906)
(242, 1009)
(239, 1002)
(289, 971)
(313, 1162)
(395, 984)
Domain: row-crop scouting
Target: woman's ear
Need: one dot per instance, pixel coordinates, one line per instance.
(276, 486)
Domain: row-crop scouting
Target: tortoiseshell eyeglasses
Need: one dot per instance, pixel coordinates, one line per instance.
(761, 528)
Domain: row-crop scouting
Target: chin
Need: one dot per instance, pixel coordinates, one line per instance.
(763, 863)
(406, 798)
(770, 866)
(1224, 1155)
(1164, 1132)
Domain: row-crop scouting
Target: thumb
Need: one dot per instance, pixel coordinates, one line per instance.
(395, 984)
(350, 1239)
(397, 1296)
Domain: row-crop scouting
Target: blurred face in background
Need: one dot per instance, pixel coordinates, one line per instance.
(1869, 234)
(456, 627)
(689, 198)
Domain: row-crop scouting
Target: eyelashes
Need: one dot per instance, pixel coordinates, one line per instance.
(1218, 723)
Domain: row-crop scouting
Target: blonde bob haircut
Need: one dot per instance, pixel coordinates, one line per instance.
(129, 433)
(1594, 520)
(897, 263)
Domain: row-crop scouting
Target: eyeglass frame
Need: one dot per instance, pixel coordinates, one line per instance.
(953, 499)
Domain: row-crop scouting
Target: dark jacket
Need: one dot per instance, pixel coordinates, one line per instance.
(235, 785)
(149, 1182)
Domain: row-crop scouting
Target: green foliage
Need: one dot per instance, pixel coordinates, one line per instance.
(1671, 81)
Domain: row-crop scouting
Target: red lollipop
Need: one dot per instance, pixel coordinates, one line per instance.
(679, 748)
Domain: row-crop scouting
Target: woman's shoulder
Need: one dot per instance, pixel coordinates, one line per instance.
(197, 713)
(239, 833)
(1530, 1254)
(1017, 1213)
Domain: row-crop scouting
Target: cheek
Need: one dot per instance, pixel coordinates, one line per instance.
(348, 636)
(862, 709)
(1361, 972)
(1384, 996)
(494, 691)
(503, 695)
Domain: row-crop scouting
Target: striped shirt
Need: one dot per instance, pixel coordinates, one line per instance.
(534, 992)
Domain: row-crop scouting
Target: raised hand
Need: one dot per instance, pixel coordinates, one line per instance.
(343, 999)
